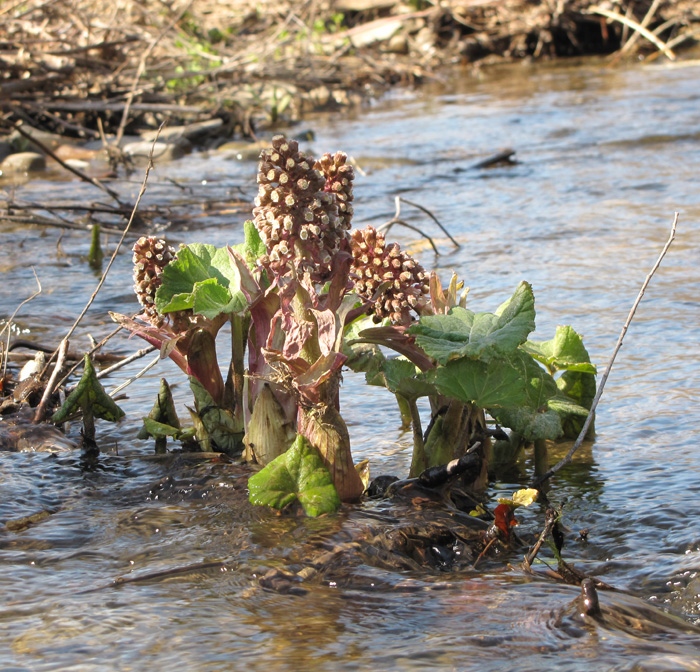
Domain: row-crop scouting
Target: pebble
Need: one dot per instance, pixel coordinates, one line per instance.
(23, 162)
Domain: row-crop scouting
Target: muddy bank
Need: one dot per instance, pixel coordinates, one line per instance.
(83, 68)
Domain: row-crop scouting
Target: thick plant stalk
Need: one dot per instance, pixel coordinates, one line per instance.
(235, 385)
(326, 430)
(419, 461)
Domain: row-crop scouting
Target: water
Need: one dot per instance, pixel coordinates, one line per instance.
(605, 157)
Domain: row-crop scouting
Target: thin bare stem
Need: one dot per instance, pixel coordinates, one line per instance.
(396, 220)
(577, 444)
(127, 360)
(92, 350)
(116, 250)
(8, 325)
(645, 22)
(433, 217)
(79, 173)
(41, 408)
(128, 382)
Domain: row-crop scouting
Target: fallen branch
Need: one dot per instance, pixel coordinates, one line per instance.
(109, 265)
(79, 173)
(589, 418)
(635, 26)
(397, 220)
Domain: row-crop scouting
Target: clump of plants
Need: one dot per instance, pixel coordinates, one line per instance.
(305, 295)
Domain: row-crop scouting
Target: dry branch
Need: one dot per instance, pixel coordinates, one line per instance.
(591, 413)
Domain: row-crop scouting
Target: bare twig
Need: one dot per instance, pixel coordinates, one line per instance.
(397, 220)
(550, 518)
(41, 408)
(8, 324)
(433, 217)
(645, 22)
(635, 26)
(128, 382)
(127, 360)
(114, 254)
(79, 173)
(577, 444)
(90, 352)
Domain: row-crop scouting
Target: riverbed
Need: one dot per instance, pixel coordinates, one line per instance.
(603, 159)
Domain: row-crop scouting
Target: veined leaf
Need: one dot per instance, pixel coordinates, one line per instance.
(298, 474)
(202, 278)
(564, 352)
(580, 389)
(531, 423)
(462, 333)
(489, 385)
(403, 377)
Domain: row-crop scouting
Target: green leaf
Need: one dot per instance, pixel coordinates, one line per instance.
(462, 333)
(580, 389)
(298, 474)
(202, 278)
(489, 385)
(532, 418)
(211, 299)
(252, 248)
(158, 430)
(564, 352)
(89, 395)
(218, 423)
(564, 406)
(579, 386)
(363, 357)
(401, 376)
(530, 423)
(163, 412)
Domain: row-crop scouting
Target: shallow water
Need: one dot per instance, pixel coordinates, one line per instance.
(604, 158)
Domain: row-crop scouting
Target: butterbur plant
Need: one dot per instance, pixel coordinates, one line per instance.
(306, 296)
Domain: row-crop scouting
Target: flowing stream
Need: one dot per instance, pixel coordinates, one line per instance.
(603, 159)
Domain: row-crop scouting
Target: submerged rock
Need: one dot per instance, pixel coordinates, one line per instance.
(23, 162)
(18, 433)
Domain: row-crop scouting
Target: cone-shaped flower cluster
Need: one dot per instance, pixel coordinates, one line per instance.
(384, 271)
(151, 256)
(297, 209)
(339, 177)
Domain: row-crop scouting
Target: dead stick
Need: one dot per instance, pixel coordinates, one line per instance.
(645, 22)
(433, 217)
(8, 325)
(635, 26)
(589, 418)
(116, 249)
(127, 360)
(41, 408)
(550, 518)
(90, 352)
(396, 220)
(86, 178)
(142, 372)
